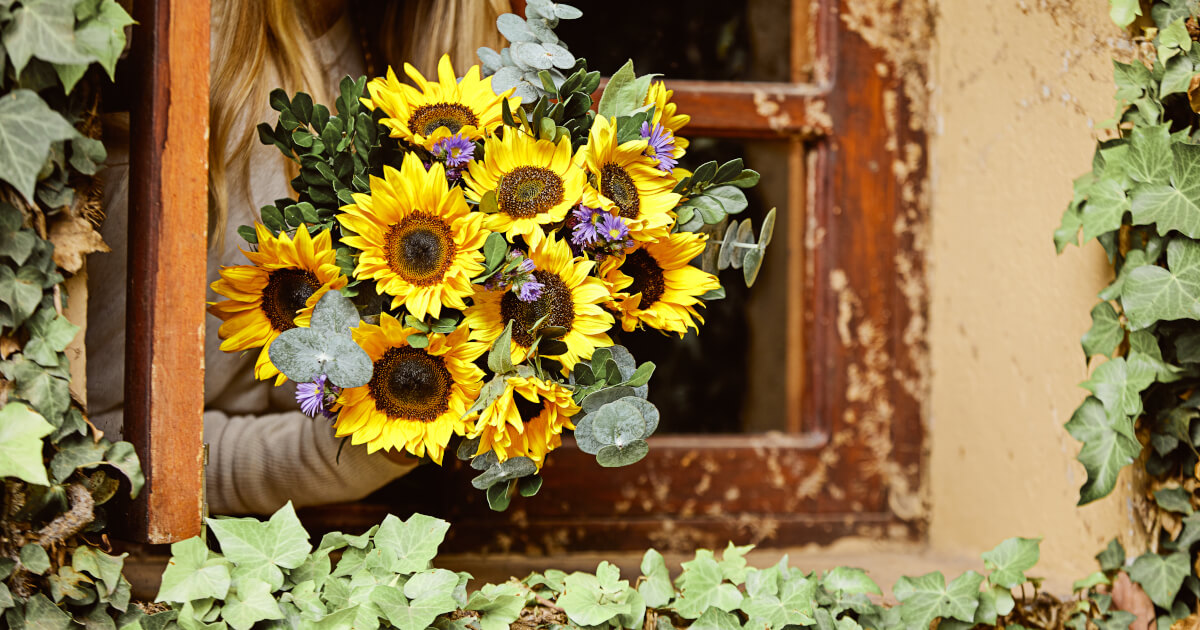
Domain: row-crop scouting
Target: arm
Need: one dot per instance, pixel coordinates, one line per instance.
(257, 463)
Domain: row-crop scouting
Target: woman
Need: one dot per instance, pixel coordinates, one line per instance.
(262, 450)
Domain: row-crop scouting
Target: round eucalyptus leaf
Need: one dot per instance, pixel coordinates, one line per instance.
(350, 366)
(490, 59)
(731, 197)
(615, 456)
(513, 28)
(708, 258)
(618, 423)
(649, 413)
(605, 396)
(690, 225)
(585, 437)
(709, 208)
(530, 485)
(726, 255)
(533, 55)
(303, 353)
(767, 230)
(467, 449)
(335, 314)
(751, 265)
(506, 57)
(745, 233)
(506, 470)
(418, 340)
(505, 78)
(542, 28)
(559, 56)
(567, 12)
(550, 332)
(499, 496)
(485, 460)
(526, 92)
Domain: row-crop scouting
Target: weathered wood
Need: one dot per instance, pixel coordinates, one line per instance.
(751, 110)
(164, 376)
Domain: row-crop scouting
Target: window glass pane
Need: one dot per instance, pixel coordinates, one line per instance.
(732, 376)
(714, 40)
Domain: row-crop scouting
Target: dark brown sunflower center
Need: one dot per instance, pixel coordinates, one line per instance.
(287, 292)
(528, 410)
(453, 116)
(420, 249)
(556, 301)
(616, 184)
(647, 277)
(409, 383)
(527, 190)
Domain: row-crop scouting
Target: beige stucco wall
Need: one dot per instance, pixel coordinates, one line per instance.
(1018, 87)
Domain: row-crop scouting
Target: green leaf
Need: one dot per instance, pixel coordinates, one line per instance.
(192, 575)
(1009, 560)
(1174, 500)
(498, 605)
(21, 433)
(1123, 12)
(27, 129)
(1152, 293)
(1174, 206)
(1113, 556)
(334, 314)
(1149, 159)
(429, 593)
(656, 588)
(793, 606)
(591, 600)
(304, 353)
(44, 29)
(702, 585)
(1106, 332)
(35, 559)
(250, 603)
(717, 619)
(1107, 203)
(415, 541)
(1172, 40)
(105, 568)
(927, 597)
(994, 601)
(42, 614)
(102, 36)
(262, 549)
(613, 456)
(849, 581)
(1161, 576)
(733, 563)
(1177, 77)
(1108, 446)
(500, 358)
(1095, 579)
(1118, 387)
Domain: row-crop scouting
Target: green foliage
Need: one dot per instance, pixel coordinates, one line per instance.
(324, 347)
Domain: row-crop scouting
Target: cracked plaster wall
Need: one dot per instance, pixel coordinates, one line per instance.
(1018, 88)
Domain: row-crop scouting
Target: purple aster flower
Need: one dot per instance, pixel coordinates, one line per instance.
(661, 146)
(613, 229)
(311, 396)
(585, 232)
(527, 266)
(455, 151)
(530, 290)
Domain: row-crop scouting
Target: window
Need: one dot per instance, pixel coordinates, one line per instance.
(828, 439)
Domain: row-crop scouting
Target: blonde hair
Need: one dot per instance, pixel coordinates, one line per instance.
(264, 44)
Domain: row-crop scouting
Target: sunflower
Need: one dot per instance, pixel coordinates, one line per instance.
(655, 285)
(629, 182)
(434, 110)
(416, 397)
(274, 294)
(570, 299)
(535, 181)
(526, 420)
(418, 237)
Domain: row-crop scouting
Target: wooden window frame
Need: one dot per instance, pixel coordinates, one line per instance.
(850, 461)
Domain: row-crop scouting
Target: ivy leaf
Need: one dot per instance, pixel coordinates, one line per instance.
(717, 619)
(1152, 293)
(1009, 560)
(251, 602)
(103, 567)
(702, 585)
(42, 614)
(498, 605)
(733, 563)
(415, 541)
(1149, 160)
(1161, 576)
(1106, 332)
(849, 581)
(588, 601)
(1123, 12)
(1113, 556)
(1172, 40)
(1119, 389)
(429, 593)
(1174, 500)
(1177, 77)
(261, 549)
(27, 128)
(21, 433)
(192, 575)
(656, 588)
(1107, 203)
(1174, 206)
(926, 597)
(44, 29)
(993, 602)
(102, 36)
(1108, 446)
(793, 606)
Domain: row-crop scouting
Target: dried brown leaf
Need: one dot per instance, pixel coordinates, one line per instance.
(74, 238)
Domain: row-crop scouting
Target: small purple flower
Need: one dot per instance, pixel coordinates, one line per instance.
(527, 266)
(613, 228)
(455, 151)
(585, 232)
(311, 397)
(661, 146)
(530, 290)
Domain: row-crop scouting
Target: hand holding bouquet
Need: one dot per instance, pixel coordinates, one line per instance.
(439, 221)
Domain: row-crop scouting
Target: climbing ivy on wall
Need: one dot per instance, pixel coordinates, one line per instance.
(58, 471)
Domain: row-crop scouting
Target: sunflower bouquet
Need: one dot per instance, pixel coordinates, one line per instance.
(503, 213)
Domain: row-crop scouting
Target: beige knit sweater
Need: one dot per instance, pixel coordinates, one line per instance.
(262, 450)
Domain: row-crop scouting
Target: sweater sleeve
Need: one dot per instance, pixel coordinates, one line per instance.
(258, 462)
